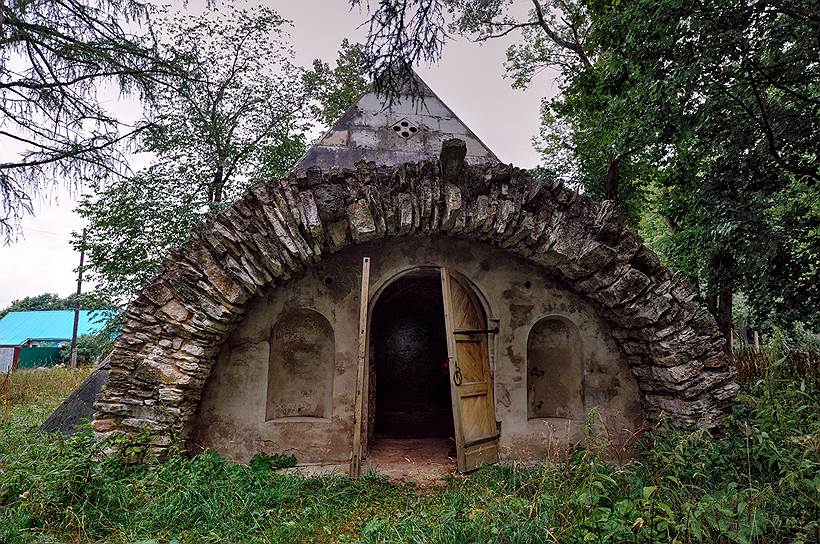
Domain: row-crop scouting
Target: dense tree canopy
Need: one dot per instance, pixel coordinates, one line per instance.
(52, 301)
(235, 113)
(56, 60)
(738, 87)
(698, 119)
(333, 90)
(240, 113)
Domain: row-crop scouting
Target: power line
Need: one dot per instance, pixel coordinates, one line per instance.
(37, 220)
(49, 232)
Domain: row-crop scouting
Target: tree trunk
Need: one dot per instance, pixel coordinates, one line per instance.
(612, 179)
(719, 292)
(725, 311)
(215, 190)
(711, 298)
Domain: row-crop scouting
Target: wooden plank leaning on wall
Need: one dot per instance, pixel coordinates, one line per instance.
(358, 409)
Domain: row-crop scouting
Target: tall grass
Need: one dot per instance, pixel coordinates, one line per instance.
(756, 479)
(27, 397)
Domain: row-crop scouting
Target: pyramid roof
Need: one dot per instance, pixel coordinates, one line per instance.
(410, 129)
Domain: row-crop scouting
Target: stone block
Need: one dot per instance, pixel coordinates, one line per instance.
(175, 311)
(362, 226)
(103, 425)
(626, 288)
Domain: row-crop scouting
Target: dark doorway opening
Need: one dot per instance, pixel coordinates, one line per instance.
(412, 382)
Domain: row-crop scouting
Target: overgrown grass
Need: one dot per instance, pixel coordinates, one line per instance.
(755, 480)
(27, 397)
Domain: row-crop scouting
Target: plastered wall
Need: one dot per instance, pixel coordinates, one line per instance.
(234, 417)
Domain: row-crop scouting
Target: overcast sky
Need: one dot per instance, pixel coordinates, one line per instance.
(469, 79)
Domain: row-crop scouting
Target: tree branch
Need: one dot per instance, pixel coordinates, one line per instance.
(558, 40)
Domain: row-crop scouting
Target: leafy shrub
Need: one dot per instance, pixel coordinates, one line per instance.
(89, 348)
(271, 461)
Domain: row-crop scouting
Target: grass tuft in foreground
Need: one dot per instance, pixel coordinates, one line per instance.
(757, 479)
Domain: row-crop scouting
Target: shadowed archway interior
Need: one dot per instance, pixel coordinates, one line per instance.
(412, 389)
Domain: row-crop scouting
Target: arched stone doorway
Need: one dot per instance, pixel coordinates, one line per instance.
(430, 390)
(410, 416)
(409, 393)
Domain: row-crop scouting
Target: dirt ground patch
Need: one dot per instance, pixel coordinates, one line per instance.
(423, 461)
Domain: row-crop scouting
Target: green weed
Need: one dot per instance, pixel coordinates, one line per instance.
(754, 480)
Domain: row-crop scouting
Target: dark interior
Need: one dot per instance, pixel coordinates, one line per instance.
(410, 351)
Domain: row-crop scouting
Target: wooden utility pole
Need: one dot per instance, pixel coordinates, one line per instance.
(77, 304)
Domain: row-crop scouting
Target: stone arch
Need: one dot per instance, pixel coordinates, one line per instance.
(302, 355)
(555, 369)
(173, 329)
(376, 291)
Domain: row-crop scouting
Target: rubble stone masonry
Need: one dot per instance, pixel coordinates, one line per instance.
(175, 327)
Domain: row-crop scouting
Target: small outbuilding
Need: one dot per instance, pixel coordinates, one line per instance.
(403, 286)
(34, 338)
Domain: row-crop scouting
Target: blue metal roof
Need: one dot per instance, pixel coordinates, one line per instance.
(17, 327)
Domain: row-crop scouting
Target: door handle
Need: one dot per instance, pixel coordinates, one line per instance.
(457, 377)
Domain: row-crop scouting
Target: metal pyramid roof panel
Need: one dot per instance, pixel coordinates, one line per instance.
(17, 327)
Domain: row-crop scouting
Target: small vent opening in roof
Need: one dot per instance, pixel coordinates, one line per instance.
(405, 128)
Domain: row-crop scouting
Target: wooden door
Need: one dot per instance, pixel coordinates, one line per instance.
(471, 383)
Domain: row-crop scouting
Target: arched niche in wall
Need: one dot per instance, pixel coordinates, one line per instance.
(555, 371)
(300, 372)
